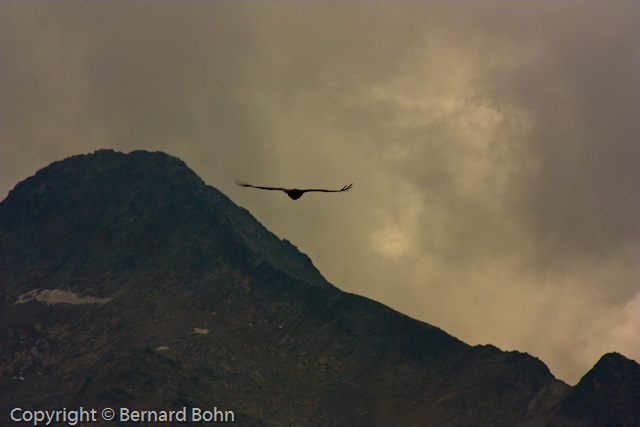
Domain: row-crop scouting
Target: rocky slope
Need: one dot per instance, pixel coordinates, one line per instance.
(126, 282)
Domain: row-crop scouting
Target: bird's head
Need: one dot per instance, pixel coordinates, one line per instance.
(294, 194)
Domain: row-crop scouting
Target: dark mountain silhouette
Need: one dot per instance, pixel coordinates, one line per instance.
(126, 282)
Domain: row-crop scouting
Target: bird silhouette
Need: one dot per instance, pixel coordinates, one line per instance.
(294, 193)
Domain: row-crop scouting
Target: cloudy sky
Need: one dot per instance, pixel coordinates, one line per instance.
(494, 147)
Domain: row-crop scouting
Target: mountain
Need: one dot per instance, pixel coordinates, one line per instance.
(126, 282)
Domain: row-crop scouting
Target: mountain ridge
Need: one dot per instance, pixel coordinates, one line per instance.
(283, 346)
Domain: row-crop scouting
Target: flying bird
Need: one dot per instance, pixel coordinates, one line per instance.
(294, 193)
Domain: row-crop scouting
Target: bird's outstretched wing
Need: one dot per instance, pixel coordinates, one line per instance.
(246, 184)
(345, 188)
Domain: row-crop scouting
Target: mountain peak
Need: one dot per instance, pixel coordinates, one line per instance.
(134, 212)
(609, 392)
(128, 282)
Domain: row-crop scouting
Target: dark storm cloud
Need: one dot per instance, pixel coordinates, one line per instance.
(584, 96)
(160, 76)
(493, 146)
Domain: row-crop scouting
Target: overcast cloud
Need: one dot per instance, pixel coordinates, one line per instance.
(494, 147)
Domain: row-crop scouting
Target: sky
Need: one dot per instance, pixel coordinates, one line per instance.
(493, 146)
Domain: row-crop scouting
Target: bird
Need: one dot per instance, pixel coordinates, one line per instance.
(294, 193)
